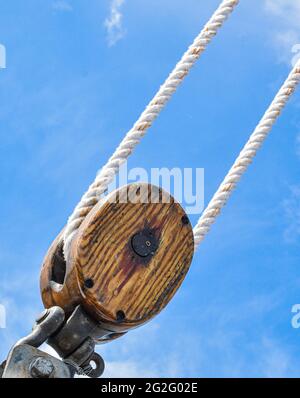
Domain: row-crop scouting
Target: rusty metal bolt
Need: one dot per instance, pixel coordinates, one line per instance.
(41, 368)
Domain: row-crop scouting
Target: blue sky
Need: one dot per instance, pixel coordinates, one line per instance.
(78, 75)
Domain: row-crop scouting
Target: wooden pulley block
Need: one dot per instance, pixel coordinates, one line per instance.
(127, 260)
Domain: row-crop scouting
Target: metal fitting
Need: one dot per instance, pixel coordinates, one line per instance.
(41, 368)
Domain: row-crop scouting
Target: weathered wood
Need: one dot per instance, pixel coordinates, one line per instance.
(127, 259)
(64, 293)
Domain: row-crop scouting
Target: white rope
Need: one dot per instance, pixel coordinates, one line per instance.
(133, 137)
(246, 156)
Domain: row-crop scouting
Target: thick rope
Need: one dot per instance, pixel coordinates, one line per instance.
(133, 137)
(246, 156)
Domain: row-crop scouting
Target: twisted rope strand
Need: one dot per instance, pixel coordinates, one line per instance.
(134, 136)
(246, 156)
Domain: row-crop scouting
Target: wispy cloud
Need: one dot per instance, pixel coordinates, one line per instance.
(292, 215)
(287, 14)
(291, 207)
(202, 354)
(114, 22)
(19, 317)
(127, 369)
(62, 5)
(276, 360)
(287, 9)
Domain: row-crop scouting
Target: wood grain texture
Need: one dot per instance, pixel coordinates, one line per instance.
(112, 281)
(66, 295)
